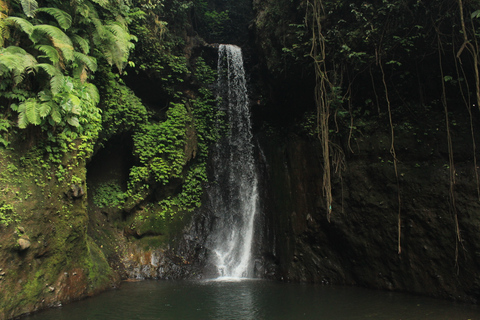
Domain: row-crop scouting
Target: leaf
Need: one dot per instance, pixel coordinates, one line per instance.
(55, 114)
(17, 61)
(82, 43)
(92, 91)
(114, 40)
(29, 6)
(58, 38)
(102, 3)
(23, 24)
(50, 53)
(32, 111)
(64, 19)
(45, 96)
(73, 121)
(90, 62)
(57, 80)
(22, 120)
(475, 14)
(45, 109)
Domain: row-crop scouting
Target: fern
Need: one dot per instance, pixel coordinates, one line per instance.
(29, 7)
(45, 108)
(32, 111)
(57, 80)
(28, 113)
(17, 61)
(58, 38)
(119, 45)
(82, 43)
(90, 62)
(56, 114)
(92, 93)
(64, 19)
(50, 52)
(4, 31)
(21, 23)
(22, 118)
(102, 3)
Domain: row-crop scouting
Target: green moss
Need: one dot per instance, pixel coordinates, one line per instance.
(153, 242)
(108, 195)
(99, 272)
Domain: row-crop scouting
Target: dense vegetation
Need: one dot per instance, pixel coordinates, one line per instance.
(61, 64)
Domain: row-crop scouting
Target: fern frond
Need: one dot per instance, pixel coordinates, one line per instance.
(82, 43)
(50, 52)
(56, 114)
(29, 7)
(48, 68)
(119, 45)
(92, 92)
(21, 23)
(45, 108)
(102, 3)
(45, 95)
(58, 38)
(90, 62)
(57, 80)
(28, 113)
(4, 30)
(17, 61)
(64, 19)
(22, 117)
(32, 111)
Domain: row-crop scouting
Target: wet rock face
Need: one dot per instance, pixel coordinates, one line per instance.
(360, 244)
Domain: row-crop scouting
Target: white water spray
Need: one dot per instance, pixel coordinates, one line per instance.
(235, 196)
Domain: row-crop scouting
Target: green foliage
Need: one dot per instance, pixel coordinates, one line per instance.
(165, 58)
(204, 73)
(209, 121)
(63, 18)
(15, 63)
(160, 147)
(29, 7)
(210, 22)
(122, 110)
(190, 197)
(7, 214)
(108, 195)
(5, 126)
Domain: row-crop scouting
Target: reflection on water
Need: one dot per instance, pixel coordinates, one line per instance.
(254, 299)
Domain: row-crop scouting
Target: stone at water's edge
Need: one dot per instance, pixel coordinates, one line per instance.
(359, 246)
(24, 244)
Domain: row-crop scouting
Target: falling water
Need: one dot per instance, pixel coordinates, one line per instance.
(235, 192)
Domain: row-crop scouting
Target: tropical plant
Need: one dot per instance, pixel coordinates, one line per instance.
(61, 54)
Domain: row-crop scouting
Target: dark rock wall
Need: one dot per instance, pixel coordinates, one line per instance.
(360, 244)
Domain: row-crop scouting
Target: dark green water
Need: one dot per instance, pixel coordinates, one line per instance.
(254, 299)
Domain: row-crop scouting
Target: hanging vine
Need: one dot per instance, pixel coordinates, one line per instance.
(394, 156)
(473, 49)
(324, 95)
(451, 163)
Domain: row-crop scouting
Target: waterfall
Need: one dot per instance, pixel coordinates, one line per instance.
(234, 195)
